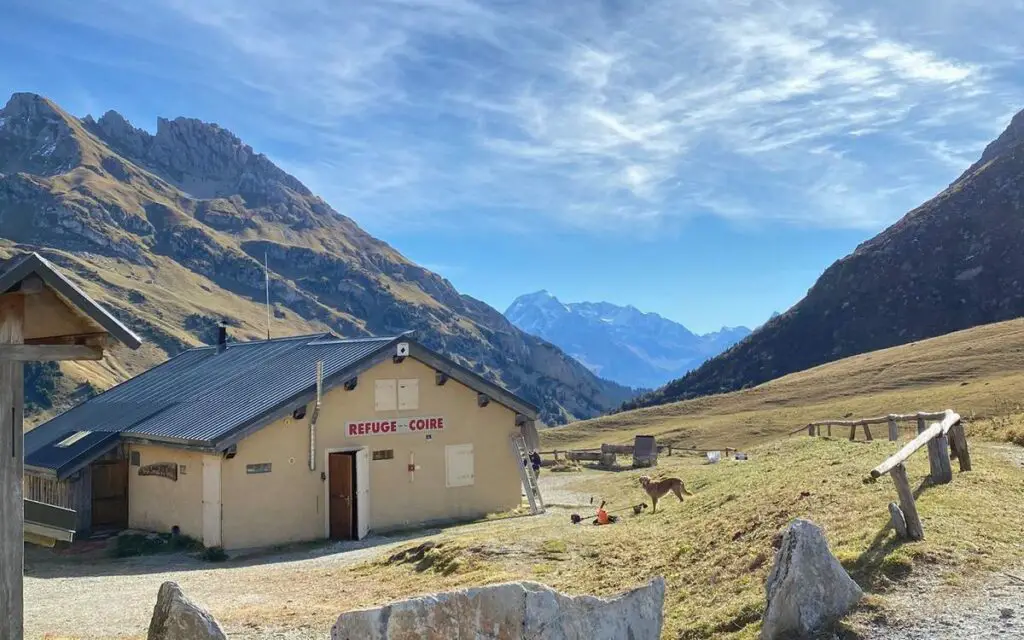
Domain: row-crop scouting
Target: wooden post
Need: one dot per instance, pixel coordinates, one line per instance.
(938, 459)
(830, 430)
(867, 432)
(958, 441)
(907, 506)
(12, 461)
(853, 431)
(894, 430)
(810, 429)
(921, 426)
(899, 522)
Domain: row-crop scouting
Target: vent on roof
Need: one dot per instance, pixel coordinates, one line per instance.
(72, 439)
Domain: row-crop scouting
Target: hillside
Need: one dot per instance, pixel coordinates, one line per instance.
(622, 344)
(952, 263)
(169, 230)
(978, 372)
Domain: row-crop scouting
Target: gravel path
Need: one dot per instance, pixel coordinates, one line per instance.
(103, 598)
(929, 610)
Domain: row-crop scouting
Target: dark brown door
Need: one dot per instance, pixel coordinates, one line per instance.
(110, 495)
(342, 495)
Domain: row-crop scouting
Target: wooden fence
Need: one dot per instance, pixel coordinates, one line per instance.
(892, 420)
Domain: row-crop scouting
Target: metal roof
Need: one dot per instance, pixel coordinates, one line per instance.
(211, 399)
(17, 268)
(66, 460)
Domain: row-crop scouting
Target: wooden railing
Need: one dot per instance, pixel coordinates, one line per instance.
(892, 420)
(941, 437)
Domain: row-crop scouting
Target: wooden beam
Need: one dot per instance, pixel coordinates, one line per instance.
(907, 505)
(939, 428)
(938, 459)
(96, 339)
(894, 431)
(49, 352)
(12, 460)
(958, 441)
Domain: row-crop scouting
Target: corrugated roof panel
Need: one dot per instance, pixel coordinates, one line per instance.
(225, 407)
(63, 459)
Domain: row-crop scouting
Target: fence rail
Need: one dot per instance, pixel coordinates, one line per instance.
(892, 420)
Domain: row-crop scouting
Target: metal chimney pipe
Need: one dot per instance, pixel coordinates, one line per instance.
(222, 336)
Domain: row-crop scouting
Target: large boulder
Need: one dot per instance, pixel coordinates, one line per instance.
(807, 588)
(511, 611)
(175, 617)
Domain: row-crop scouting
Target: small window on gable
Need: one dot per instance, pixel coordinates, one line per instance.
(384, 454)
(136, 458)
(385, 397)
(73, 438)
(408, 394)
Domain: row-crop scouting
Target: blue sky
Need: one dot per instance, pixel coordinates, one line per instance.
(705, 159)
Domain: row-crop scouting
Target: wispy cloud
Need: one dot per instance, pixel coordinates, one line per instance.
(613, 117)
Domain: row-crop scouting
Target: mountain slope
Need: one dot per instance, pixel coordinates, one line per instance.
(170, 231)
(952, 263)
(619, 343)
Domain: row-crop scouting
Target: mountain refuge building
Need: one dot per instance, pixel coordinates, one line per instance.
(250, 444)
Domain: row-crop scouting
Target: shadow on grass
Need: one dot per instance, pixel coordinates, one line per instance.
(875, 568)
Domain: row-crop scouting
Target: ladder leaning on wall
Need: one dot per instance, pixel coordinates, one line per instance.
(527, 475)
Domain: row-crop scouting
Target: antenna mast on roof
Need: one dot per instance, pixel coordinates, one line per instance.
(266, 278)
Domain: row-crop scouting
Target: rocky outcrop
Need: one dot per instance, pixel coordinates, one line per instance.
(512, 611)
(950, 264)
(807, 588)
(35, 137)
(175, 617)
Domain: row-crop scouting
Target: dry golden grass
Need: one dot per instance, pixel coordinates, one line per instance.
(978, 372)
(715, 549)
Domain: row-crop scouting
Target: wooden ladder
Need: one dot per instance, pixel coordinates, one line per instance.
(527, 475)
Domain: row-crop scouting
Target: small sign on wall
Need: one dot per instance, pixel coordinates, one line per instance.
(167, 470)
(262, 467)
(395, 425)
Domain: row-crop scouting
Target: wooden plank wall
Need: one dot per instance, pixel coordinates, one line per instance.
(74, 493)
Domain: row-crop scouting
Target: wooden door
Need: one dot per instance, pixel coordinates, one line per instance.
(110, 495)
(341, 495)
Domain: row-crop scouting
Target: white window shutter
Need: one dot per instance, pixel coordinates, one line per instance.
(459, 465)
(385, 397)
(408, 394)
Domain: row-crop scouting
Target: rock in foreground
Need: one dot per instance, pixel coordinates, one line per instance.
(511, 611)
(807, 589)
(175, 617)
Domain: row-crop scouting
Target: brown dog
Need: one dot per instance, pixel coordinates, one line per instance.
(658, 489)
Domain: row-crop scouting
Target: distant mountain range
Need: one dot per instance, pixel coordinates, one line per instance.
(621, 344)
(952, 263)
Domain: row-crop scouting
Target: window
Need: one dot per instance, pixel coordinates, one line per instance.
(182, 469)
(459, 465)
(262, 467)
(385, 397)
(136, 458)
(384, 454)
(73, 438)
(408, 394)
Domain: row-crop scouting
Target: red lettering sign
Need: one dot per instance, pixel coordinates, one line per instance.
(398, 425)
